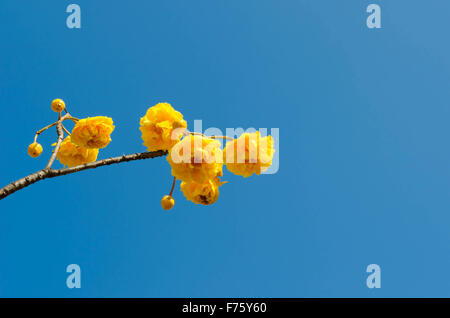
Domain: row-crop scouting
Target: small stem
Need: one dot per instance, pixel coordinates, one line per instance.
(173, 186)
(67, 132)
(74, 119)
(212, 137)
(60, 119)
(60, 132)
(43, 129)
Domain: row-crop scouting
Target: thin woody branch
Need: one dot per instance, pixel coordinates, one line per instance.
(52, 173)
(43, 129)
(65, 130)
(59, 129)
(212, 137)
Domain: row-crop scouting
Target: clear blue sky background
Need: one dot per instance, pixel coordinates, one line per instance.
(364, 150)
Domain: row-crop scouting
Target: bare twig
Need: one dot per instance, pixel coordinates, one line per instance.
(45, 128)
(74, 119)
(59, 129)
(52, 173)
(173, 185)
(65, 129)
(212, 137)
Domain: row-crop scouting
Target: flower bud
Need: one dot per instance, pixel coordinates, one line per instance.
(34, 150)
(167, 202)
(58, 105)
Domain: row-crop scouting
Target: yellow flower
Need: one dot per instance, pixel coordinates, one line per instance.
(196, 158)
(71, 155)
(58, 105)
(93, 132)
(249, 154)
(202, 193)
(167, 202)
(34, 150)
(159, 127)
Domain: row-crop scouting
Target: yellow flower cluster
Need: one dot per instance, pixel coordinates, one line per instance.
(88, 135)
(82, 146)
(93, 132)
(196, 160)
(162, 127)
(249, 154)
(71, 155)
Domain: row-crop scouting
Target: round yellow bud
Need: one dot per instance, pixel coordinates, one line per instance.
(58, 105)
(167, 202)
(34, 150)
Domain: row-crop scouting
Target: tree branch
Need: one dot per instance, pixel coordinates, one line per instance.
(52, 173)
(60, 132)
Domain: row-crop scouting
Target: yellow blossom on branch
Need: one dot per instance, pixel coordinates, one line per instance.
(71, 155)
(202, 193)
(93, 132)
(196, 158)
(249, 154)
(162, 127)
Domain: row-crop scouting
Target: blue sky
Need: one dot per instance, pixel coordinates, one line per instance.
(364, 159)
